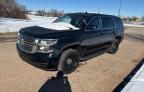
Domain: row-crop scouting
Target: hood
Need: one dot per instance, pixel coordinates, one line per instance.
(36, 31)
(59, 26)
(49, 30)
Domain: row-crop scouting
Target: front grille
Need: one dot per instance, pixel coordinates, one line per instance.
(27, 39)
(26, 43)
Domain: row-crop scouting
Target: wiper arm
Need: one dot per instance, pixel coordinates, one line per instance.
(70, 28)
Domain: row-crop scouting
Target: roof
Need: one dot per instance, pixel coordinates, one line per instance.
(89, 14)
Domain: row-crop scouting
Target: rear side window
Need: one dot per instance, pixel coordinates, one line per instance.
(119, 22)
(107, 22)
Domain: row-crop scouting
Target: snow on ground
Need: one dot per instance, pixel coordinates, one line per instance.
(14, 25)
(133, 25)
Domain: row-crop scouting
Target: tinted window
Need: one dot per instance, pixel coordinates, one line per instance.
(93, 24)
(107, 22)
(80, 22)
(119, 23)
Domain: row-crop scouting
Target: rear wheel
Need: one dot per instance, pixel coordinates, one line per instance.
(69, 60)
(114, 47)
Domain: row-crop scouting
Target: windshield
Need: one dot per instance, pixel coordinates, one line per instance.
(65, 19)
(73, 20)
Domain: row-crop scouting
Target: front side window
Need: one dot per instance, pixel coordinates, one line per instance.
(93, 24)
(107, 22)
(119, 23)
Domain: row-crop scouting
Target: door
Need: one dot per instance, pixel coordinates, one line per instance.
(92, 37)
(108, 28)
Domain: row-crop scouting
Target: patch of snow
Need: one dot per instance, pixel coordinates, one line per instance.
(14, 25)
(59, 26)
(133, 25)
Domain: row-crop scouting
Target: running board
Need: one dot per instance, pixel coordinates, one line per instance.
(92, 55)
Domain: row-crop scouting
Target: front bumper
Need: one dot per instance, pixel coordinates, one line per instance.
(40, 60)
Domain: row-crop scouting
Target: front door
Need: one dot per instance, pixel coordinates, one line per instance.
(92, 38)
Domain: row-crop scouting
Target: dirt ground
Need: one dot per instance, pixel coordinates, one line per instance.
(100, 74)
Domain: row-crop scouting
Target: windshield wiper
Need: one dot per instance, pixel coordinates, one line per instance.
(70, 28)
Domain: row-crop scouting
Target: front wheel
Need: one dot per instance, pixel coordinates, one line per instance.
(69, 60)
(114, 47)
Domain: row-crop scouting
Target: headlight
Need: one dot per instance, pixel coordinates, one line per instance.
(43, 45)
(18, 33)
(18, 37)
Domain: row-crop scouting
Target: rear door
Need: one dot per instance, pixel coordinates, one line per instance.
(108, 27)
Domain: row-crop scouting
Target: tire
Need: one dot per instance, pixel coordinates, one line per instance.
(69, 61)
(114, 47)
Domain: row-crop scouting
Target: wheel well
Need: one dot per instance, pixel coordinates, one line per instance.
(75, 47)
(119, 38)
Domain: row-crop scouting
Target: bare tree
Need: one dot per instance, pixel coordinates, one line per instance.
(41, 12)
(142, 18)
(50, 13)
(10, 8)
(134, 18)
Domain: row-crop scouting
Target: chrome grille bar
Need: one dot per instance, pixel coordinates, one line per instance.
(26, 44)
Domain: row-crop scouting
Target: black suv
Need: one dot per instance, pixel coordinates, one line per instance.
(70, 39)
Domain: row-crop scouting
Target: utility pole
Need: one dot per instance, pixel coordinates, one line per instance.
(120, 8)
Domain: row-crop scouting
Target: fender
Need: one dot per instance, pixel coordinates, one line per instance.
(72, 45)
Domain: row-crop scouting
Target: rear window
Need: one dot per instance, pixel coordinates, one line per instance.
(107, 22)
(119, 22)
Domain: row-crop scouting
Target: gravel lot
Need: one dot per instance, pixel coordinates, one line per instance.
(100, 74)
